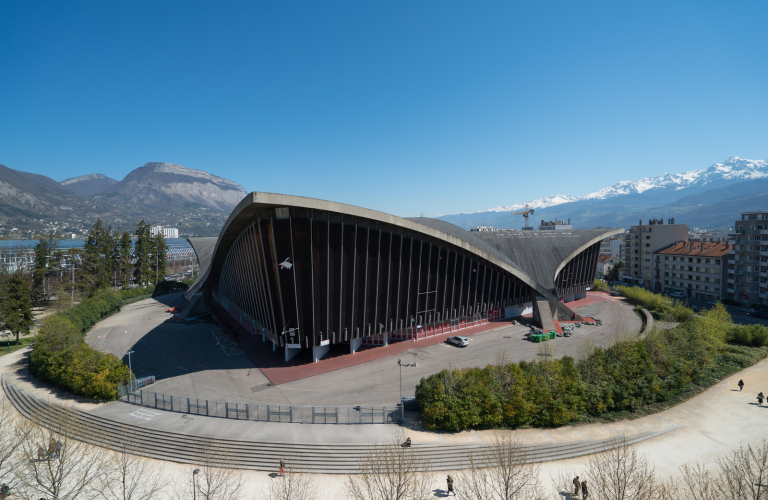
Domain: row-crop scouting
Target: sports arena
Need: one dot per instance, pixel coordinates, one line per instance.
(309, 274)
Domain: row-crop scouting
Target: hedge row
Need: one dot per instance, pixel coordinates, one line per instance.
(749, 335)
(61, 356)
(658, 304)
(622, 378)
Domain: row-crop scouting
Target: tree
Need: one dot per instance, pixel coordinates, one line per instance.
(57, 466)
(98, 258)
(159, 250)
(620, 472)
(16, 306)
(124, 258)
(13, 433)
(130, 477)
(615, 273)
(218, 476)
(46, 264)
(391, 472)
(501, 471)
(142, 253)
(295, 485)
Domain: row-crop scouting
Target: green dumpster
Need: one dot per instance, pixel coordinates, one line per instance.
(552, 334)
(536, 337)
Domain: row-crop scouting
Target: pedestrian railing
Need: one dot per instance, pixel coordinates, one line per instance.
(264, 413)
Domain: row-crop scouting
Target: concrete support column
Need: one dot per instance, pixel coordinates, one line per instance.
(290, 352)
(354, 345)
(386, 338)
(274, 346)
(319, 351)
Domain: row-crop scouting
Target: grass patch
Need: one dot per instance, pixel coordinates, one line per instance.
(11, 344)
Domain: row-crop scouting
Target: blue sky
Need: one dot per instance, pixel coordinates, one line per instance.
(405, 107)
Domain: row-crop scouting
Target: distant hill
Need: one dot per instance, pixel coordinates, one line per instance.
(165, 184)
(697, 198)
(194, 201)
(87, 185)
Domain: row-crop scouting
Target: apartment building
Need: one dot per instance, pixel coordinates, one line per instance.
(748, 264)
(640, 244)
(696, 269)
(612, 246)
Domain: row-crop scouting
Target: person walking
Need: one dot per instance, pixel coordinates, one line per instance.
(282, 467)
(741, 385)
(584, 490)
(450, 486)
(760, 398)
(576, 486)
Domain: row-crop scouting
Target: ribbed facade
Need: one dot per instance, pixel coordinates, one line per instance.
(578, 274)
(333, 277)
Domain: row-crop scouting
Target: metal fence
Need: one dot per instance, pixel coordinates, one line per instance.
(264, 413)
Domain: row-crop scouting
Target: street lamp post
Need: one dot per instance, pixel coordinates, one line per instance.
(401, 379)
(130, 371)
(194, 483)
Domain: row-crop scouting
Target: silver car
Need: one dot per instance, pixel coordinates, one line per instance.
(462, 341)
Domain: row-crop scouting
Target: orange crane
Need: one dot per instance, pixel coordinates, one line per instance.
(527, 212)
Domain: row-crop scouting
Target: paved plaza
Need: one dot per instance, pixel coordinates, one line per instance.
(197, 360)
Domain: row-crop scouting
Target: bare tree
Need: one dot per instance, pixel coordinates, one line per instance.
(695, 483)
(129, 477)
(391, 471)
(296, 484)
(620, 472)
(56, 466)
(743, 475)
(13, 433)
(502, 471)
(215, 477)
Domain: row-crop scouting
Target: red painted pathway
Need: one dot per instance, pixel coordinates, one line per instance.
(272, 363)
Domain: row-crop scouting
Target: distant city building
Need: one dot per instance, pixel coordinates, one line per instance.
(554, 225)
(696, 269)
(748, 264)
(485, 228)
(604, 265)
(644, 239)
(168, 232)
(612, 246)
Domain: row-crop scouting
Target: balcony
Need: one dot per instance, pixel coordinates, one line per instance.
(731, 281)
(763, 295)
(764, 254)
(763, 275)
(730, 290)
(764, 231)
(732, 252)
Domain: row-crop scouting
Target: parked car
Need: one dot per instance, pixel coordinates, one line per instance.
(677, 295)
(460, 341)
(760, 314)
(616, 293)
(696, 309)
(712, 303)
(750, 310)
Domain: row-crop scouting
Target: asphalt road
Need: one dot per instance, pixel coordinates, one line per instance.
(191, 361)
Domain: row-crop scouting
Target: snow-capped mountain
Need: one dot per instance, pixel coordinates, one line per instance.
(732, 170)
(547, 201)
(709, 198)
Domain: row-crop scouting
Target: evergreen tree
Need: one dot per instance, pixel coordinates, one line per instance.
(16, 306)
(159, 250)
(98, 258)
(124, 258)
(142, 253)
(46, 265)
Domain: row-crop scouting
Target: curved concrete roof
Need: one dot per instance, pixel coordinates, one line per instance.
(536, 266)
(203, 248)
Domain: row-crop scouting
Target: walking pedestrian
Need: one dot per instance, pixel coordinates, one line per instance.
(407, 443)
(450, 486)
(760, 398)
(576, 486)
(741, 385)
(282, 467)
(584, 491)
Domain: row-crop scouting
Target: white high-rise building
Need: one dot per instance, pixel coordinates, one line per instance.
(168, 232)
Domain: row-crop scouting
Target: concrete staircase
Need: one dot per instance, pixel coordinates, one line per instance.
(263, 456)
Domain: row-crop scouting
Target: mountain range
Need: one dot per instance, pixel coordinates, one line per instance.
(707, 198)
(160, 193)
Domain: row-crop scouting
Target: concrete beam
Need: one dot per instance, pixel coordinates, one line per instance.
(354, 344)
(319, 351)
(290, 352)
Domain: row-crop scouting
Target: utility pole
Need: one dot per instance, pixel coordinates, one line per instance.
(130, 371)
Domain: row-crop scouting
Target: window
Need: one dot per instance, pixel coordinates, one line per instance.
(647, 245)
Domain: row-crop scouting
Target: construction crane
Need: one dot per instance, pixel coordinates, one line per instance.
(527, 212)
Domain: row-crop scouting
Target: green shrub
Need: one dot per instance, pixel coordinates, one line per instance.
(749, 335)
(601, 286)
(625, 377)
(62, 357)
